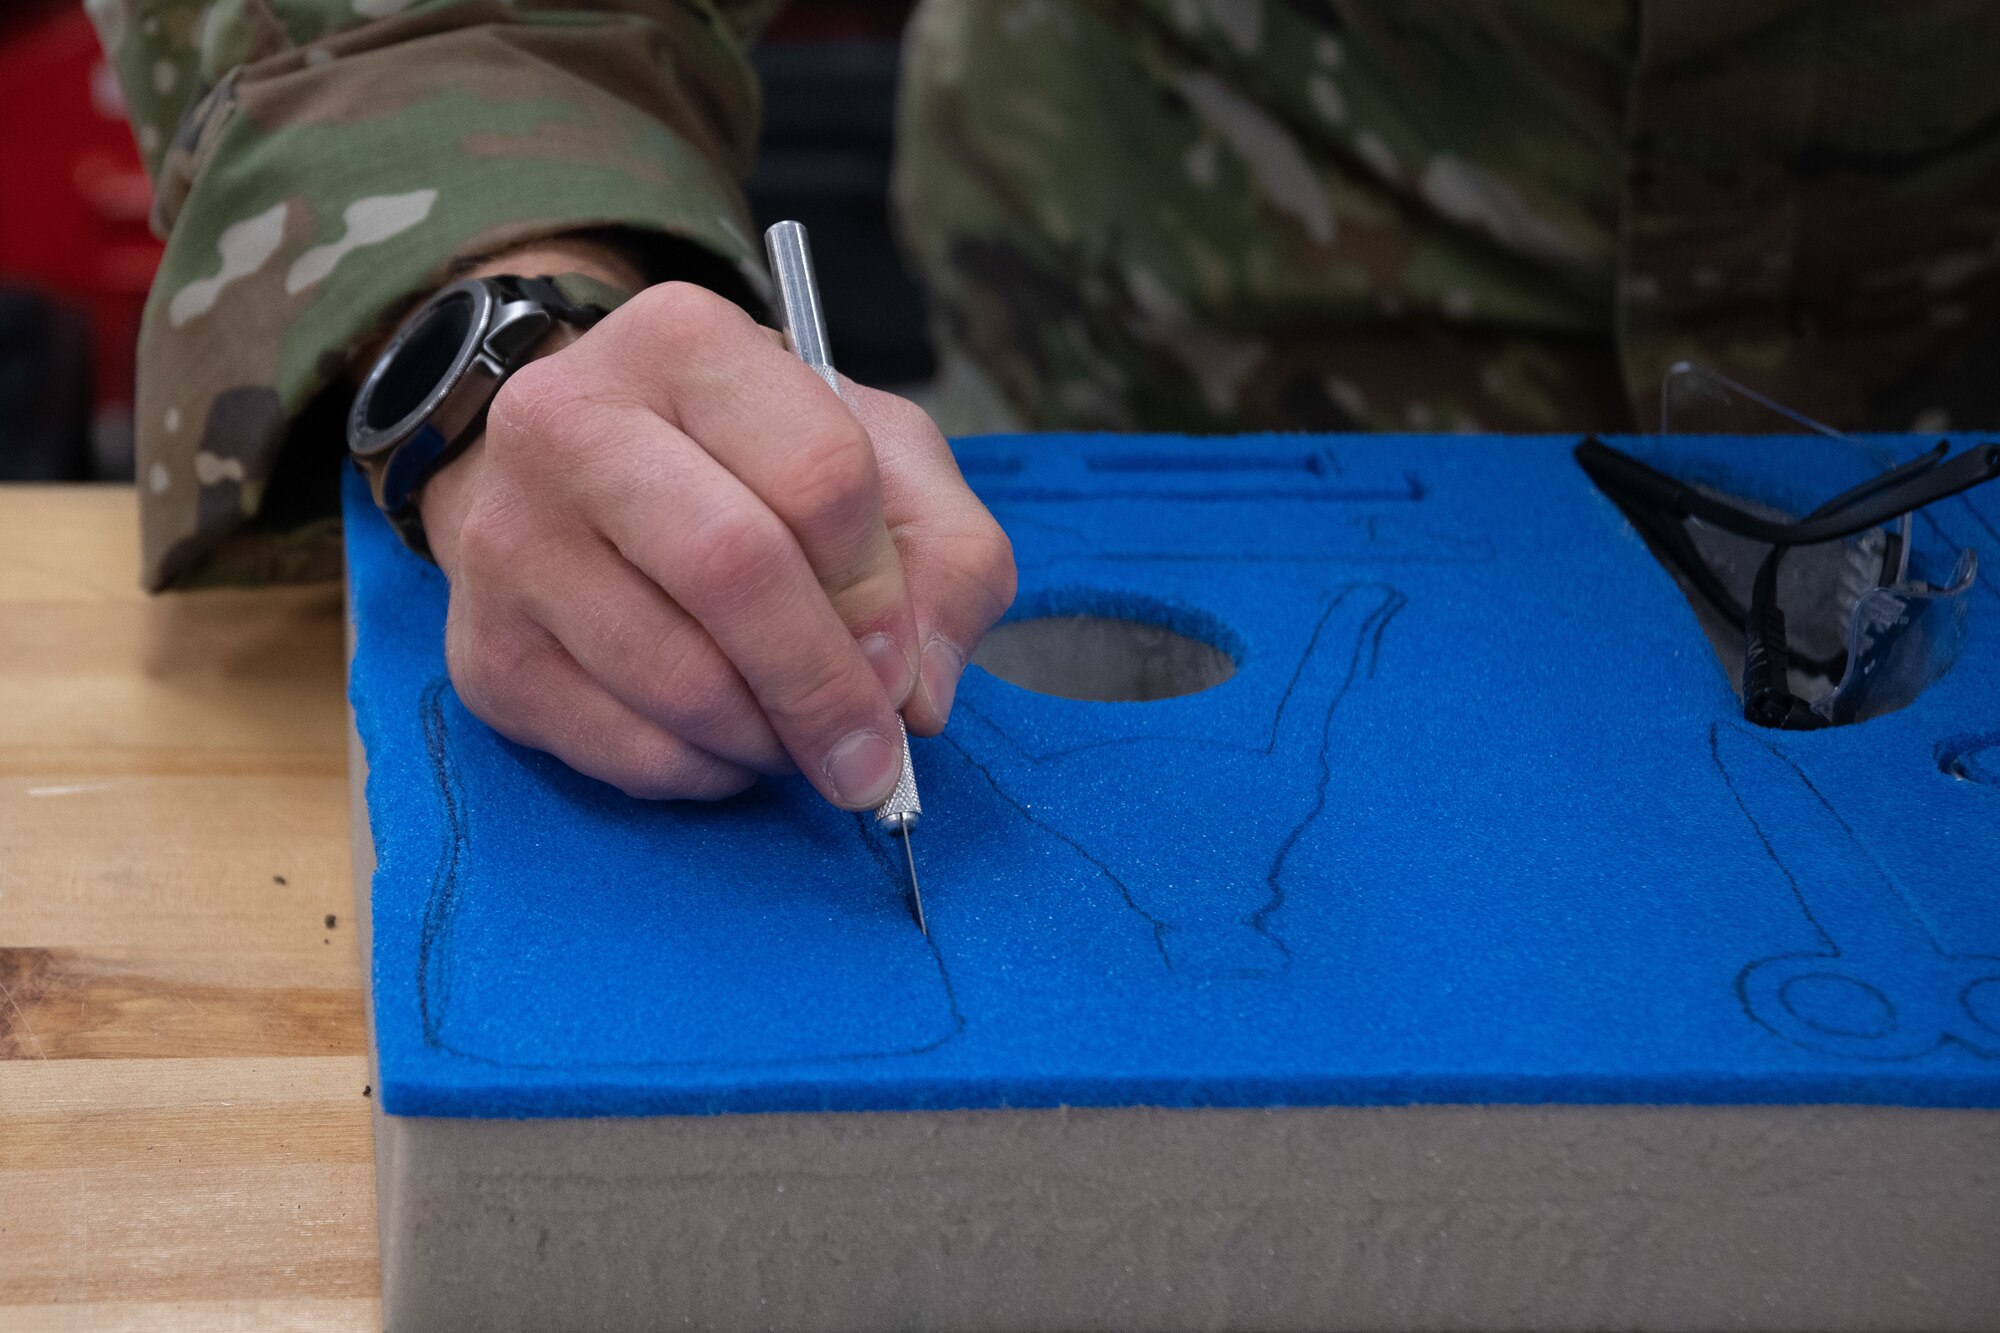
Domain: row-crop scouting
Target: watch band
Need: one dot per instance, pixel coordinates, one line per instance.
(398, 463)
(587, 299)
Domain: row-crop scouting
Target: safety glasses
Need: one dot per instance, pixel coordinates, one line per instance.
(1878, 636)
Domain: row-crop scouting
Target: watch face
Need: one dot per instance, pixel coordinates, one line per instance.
(415, 368)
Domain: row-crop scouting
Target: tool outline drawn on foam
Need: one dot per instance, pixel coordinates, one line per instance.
(1345, 646)
(444, 901)
(1870, 928)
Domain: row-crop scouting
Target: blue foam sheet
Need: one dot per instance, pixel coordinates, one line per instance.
(1475, 820)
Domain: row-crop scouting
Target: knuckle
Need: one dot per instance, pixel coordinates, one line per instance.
(983, 557)
(491, 535)
(830, 480)
(910, 419)
(740, 549)
(490, 666)
(687, 682)
(532, 406)
(676, 311)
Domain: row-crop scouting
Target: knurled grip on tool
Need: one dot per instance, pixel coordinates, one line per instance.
(900, 813)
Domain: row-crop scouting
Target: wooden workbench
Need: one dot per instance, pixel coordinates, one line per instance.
(184, 1138)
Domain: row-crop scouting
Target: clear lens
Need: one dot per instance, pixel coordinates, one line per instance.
(1900, 640)
(1899, 633)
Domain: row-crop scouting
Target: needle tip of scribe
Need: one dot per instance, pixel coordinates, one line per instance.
(916, 894)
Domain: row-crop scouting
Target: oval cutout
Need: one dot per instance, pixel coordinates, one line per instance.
(1109, 649)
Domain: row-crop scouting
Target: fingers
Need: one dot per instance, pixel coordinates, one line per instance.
(703, 365)
(957, 562)
(517, 679)
(651, 655)
(721, 554)
(724, 568)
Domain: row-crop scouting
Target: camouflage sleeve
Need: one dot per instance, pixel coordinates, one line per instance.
(320, 164)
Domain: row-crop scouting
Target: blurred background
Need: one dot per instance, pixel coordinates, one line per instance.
(76, 256)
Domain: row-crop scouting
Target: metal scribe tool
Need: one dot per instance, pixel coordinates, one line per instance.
(805, 329)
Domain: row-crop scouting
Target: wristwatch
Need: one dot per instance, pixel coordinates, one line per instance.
(425, 400)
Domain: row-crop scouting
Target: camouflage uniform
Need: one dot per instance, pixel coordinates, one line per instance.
(1165, 214)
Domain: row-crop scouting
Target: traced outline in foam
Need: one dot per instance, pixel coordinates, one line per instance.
(1367, 645)
(1763, 986)
(441, 905)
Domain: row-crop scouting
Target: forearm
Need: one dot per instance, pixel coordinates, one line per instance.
(322, 188)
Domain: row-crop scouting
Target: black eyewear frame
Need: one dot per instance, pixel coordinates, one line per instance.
(1658, 505)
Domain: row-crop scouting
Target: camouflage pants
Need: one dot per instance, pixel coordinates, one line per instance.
(1212, 215)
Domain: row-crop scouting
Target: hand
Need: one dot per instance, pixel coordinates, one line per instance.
(678, 560)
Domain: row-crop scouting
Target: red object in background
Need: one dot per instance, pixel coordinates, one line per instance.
(73, 192)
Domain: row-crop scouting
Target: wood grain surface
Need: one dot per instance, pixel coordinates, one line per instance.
(184, 1136)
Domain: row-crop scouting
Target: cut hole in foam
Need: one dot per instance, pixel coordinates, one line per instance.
(1109, 648)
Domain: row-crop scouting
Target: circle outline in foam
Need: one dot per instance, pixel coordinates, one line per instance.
(1848, 982)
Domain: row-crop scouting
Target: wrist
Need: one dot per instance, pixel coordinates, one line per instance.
(551, 257)
(563, 254)
(445, 497)
(423, 404)
(443, 501)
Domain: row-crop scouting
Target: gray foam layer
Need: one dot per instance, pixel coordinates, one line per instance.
(1435, 1217)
